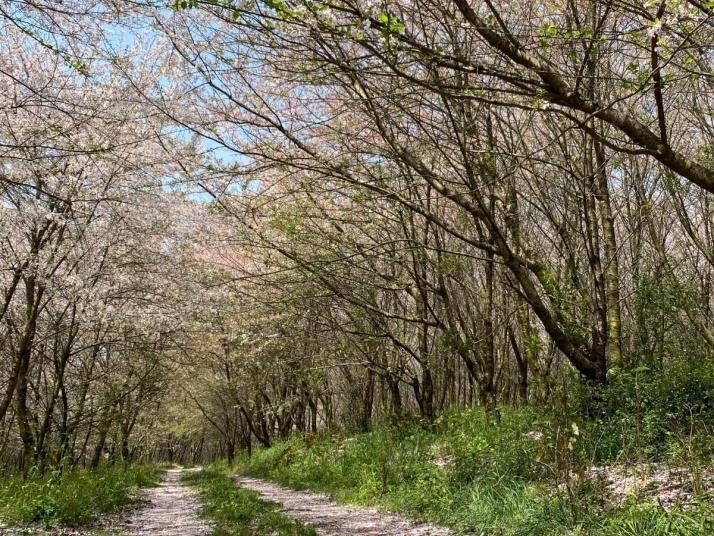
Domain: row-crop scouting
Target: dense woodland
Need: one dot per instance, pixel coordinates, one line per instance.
(223, 222)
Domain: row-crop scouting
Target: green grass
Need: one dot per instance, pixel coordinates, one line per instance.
(239, 512)
(474, 476)
(73, 498)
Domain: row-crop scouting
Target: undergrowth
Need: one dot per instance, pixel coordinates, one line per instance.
(519, 477)
(239, 512)
(72, 498)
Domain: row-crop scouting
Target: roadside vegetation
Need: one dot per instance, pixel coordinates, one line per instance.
(238, 512)
(73, 498)
(473, 477)
(545, 472)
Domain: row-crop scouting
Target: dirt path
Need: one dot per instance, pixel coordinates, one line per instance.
(331, 519)
(172, 510)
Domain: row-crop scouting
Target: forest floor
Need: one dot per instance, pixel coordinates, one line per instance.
(332, 519)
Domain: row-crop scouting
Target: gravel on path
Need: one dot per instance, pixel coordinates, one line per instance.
(332, 519)
(172, 510)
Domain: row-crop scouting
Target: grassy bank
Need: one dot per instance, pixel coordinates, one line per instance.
(527, 475)
(238, 512)
(73, 498)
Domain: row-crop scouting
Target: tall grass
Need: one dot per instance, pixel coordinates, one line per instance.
(514, 478)
(72, 498)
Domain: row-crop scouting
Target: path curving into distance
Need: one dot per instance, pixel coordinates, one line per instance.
(332, 519)
(172, 510)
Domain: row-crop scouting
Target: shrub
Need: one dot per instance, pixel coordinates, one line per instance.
(654, 412)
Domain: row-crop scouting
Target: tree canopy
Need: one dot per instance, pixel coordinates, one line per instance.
(223, 221)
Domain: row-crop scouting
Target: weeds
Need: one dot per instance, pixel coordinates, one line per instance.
(72, 498)
(238, 512)
(522, 477)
